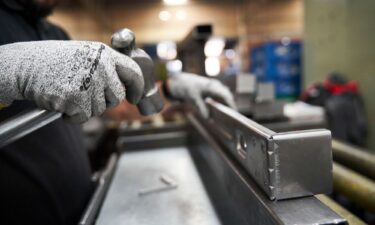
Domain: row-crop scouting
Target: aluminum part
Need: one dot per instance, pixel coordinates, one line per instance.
(243, 197)
(285, 165)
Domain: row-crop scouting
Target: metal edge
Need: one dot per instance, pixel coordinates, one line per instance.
(275, 210)
(25, 123)
(151, 140)
(291, 143)
(105, 178)
(202, 131)
(259, 129)
(228, 122)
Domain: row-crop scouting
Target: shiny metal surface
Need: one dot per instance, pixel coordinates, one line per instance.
(157, 140)
(25, 123)
(294, 125)
(285, 165)
(187, 204)
(354, 186)
(102, 185)
(124, 41)
(360, 160)
(210, 188)
(268, 110)
(351, 218)
(248, 202)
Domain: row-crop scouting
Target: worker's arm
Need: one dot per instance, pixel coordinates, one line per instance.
(79, 79)
(194, 88)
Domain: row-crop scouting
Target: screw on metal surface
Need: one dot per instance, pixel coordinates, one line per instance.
(169, 183)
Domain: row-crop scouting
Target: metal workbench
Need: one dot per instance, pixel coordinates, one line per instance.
(212, 185)
(131, 201)
(196, 174)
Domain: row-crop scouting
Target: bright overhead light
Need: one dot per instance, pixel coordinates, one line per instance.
(214, 47)
(286, 41)
(167, 50)
(181, 15)
(175, 2)
(165, 15)
(230, 53)
(212, 66)
(174, 66)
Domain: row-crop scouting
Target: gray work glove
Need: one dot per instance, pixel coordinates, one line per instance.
(79, 79)
(193, 88)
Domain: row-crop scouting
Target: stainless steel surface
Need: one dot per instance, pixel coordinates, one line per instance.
(147, 140)
(148, 128)
(351, 218)
(245, 84)
(151, 102)
(268, 110)
(103, 181)
(294, 125)
(246, 200)
(265, 92)
(186, 204)
(360, 160)
(254, 99)
(167, 184)
(244, 92)
(285, 165)
(25, 123)
(213, 188)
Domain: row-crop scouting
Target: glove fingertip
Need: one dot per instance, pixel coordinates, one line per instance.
(76, 119)
(202, 108)
(131, 75)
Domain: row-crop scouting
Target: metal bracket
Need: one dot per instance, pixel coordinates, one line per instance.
(285, 165)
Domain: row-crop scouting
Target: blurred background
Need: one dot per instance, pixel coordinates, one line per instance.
(274, 55)
(291, 43)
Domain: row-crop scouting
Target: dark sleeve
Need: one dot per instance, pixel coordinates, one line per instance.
(61, 33)
(51, 31)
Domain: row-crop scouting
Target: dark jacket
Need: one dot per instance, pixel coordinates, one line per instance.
(45, 176)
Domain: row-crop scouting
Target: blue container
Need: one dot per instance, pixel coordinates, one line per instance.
(257, 55)
(277, 70)
(280, 64)
(284, 70)
(278, 51)
(286, 89)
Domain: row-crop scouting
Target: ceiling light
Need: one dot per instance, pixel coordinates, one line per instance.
(165, 15)
(174, 66)
(212, 66)
(286, 41)
(167, 50)
(175, 2)
(214, 47)
(230, 53)
(181, 15)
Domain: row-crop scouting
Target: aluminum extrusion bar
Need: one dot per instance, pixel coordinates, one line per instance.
(360, 160)
(25, 123)
(285, 165)
(249, 201)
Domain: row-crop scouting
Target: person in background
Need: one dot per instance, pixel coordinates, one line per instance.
(45, 176)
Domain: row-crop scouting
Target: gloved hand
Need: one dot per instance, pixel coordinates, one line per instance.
(79, 79)
(193, 88)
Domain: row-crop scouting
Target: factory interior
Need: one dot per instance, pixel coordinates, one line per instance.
(187, 112)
